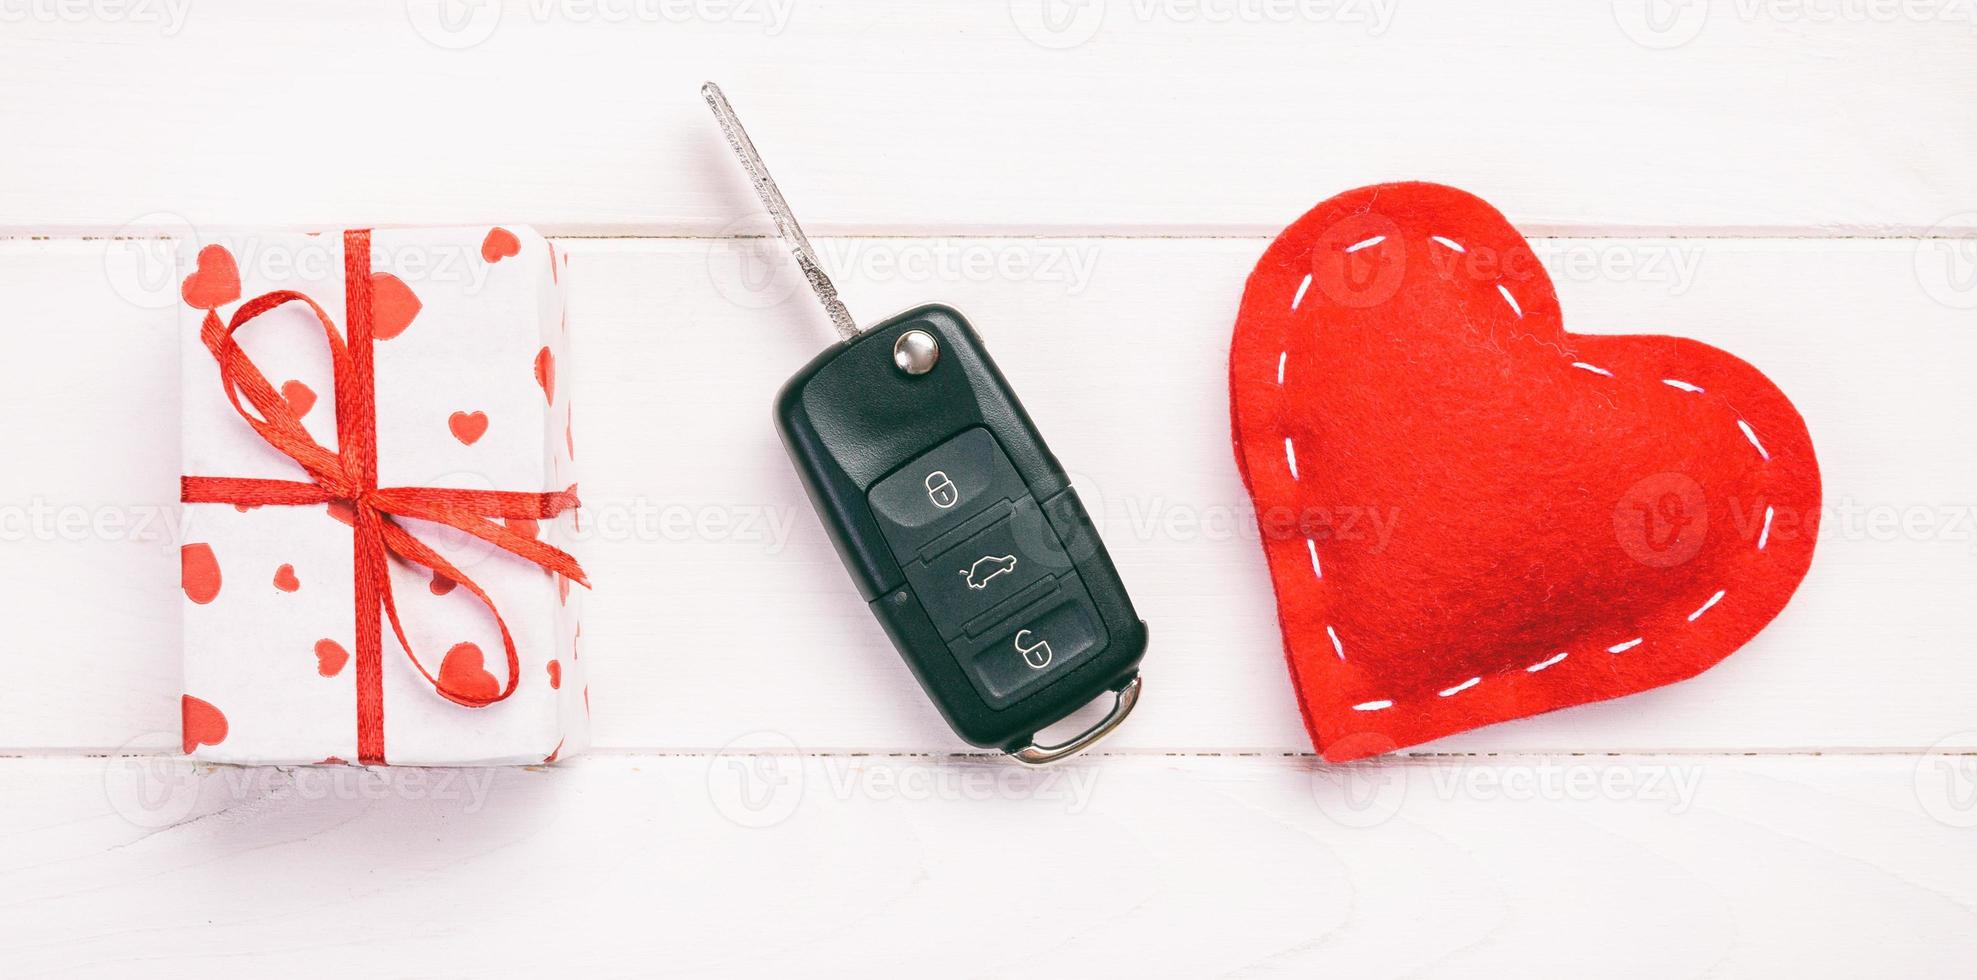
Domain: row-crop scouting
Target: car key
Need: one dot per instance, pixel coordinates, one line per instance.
(959, 527)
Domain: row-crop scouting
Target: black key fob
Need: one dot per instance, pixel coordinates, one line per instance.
(962, 531)
(956, 522)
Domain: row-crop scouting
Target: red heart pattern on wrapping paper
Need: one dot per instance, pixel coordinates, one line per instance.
(330, 657)
(468, 427)
(545, 374)
(1471, 515)
(214, 282)
(393, 305)
(199, 572)
(499, 244)
(199, 724)
(463, 672)
(300, 397)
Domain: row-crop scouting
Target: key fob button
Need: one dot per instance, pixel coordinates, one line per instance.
(1035, 646)
(941, 489)
(1011, 559)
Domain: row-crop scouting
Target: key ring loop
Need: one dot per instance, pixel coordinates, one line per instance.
(1043, 755)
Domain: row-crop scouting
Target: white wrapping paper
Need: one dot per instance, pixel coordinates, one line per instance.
(469, 395)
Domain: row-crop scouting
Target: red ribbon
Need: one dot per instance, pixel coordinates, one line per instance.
(350, 476)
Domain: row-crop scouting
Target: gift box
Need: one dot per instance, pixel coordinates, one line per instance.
(378, 488)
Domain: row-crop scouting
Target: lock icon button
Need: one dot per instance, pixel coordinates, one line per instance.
(941, 490)
(1037, 654)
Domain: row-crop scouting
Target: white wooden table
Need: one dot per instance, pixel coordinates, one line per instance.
(1090, 181)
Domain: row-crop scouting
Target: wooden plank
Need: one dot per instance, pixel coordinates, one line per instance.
(1633, 867)
(723, 611)
(1143, 116)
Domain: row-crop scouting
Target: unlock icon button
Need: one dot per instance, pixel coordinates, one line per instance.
(1044, 639)
(1037, 653)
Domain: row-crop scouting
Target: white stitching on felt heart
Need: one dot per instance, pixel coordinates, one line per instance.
(1752, 436)
(1311, 543)
(1512, 300)
(1459, 688)
(1713, 600)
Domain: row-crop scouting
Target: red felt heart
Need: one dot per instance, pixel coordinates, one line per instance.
(199, 724)
(215, 281)
(440, 584)
(468, 427)
(330, 657)
(285, 579)
(555, 674)
(393, 305)
(545, 374)
(300, 397)
(499, 244)
(1470, 514)
(199, 572)
(463, 675)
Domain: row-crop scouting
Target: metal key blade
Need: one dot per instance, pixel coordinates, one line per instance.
(772, 199)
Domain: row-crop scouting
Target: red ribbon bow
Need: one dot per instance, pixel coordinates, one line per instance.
(350, 476)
